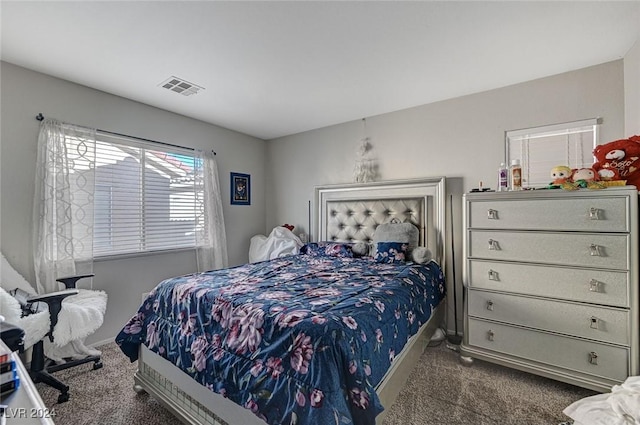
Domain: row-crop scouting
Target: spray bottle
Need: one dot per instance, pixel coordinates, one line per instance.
(503, 178)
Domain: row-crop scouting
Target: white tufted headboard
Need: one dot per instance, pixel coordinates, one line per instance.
(351, 213)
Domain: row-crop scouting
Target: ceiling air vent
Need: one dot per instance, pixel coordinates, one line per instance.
(181, 86)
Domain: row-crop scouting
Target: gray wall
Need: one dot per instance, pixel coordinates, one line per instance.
(26, 93)
(461, 138)
(632, 90)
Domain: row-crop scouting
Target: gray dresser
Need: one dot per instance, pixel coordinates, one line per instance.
(551, 283)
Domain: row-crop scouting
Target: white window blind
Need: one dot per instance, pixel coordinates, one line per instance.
(539, 149)
(147, 197)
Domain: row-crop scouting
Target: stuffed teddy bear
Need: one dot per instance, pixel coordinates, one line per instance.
(621, 156)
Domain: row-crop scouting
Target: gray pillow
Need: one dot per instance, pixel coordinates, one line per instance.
(395, 231)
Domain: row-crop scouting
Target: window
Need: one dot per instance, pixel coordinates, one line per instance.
(148, 197)
(540, 149)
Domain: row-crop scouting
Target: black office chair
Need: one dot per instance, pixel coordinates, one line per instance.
(40, 314)
(41, 368)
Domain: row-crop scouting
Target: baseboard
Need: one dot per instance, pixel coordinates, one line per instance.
(453, 332)
(103, 342)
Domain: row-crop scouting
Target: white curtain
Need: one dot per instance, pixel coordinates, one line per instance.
(63, 204)
(211, 238)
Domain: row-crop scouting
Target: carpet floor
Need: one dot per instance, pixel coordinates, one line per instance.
(439, 391)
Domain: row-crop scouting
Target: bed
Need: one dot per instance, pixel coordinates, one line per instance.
(321, 337)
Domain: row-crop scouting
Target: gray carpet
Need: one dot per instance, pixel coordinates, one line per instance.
(439, 391)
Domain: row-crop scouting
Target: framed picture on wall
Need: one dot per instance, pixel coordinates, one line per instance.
(240, 189)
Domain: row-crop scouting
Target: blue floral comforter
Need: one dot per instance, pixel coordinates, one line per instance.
(297, 339)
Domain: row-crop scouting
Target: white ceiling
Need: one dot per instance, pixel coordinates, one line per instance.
(271, 68)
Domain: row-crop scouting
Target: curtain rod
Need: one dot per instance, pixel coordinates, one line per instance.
(40, 117)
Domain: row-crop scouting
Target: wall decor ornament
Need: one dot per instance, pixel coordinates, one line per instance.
(366, 167)
(240, 189)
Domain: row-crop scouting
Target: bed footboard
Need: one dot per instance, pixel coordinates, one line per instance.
(189, 401)
(194, 404)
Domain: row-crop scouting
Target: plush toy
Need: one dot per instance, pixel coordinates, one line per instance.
(560, 175)
(586, 178)
(609, 175)
(621, 156)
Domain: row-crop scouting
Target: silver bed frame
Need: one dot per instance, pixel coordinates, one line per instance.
(345, 213)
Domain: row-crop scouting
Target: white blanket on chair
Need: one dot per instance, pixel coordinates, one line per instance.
(35, 326)
(81, 315)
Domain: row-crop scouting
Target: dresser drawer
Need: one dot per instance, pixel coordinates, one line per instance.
(605, 324)
(568, 214)
(572, 249)
(597, 359)
(585, 285)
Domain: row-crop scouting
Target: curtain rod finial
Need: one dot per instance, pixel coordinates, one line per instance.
(40, 117)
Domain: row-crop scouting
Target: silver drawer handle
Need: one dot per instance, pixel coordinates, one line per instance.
(593, 322)
(493, 245)
(594, 250)
(593, 358)
(594, 285)
(490, 335)
(493, 275)
(490, 305)
(594, 213)
(492, 214)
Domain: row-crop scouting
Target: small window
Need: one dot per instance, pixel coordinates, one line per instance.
(539, 149)
(148, 197)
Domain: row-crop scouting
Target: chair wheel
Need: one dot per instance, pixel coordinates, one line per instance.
(97, 365)
(64, 397)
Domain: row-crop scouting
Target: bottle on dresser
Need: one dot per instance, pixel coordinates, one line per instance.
(515, 174)
(503, 178)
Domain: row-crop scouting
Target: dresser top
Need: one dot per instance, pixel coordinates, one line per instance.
(553, 193)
